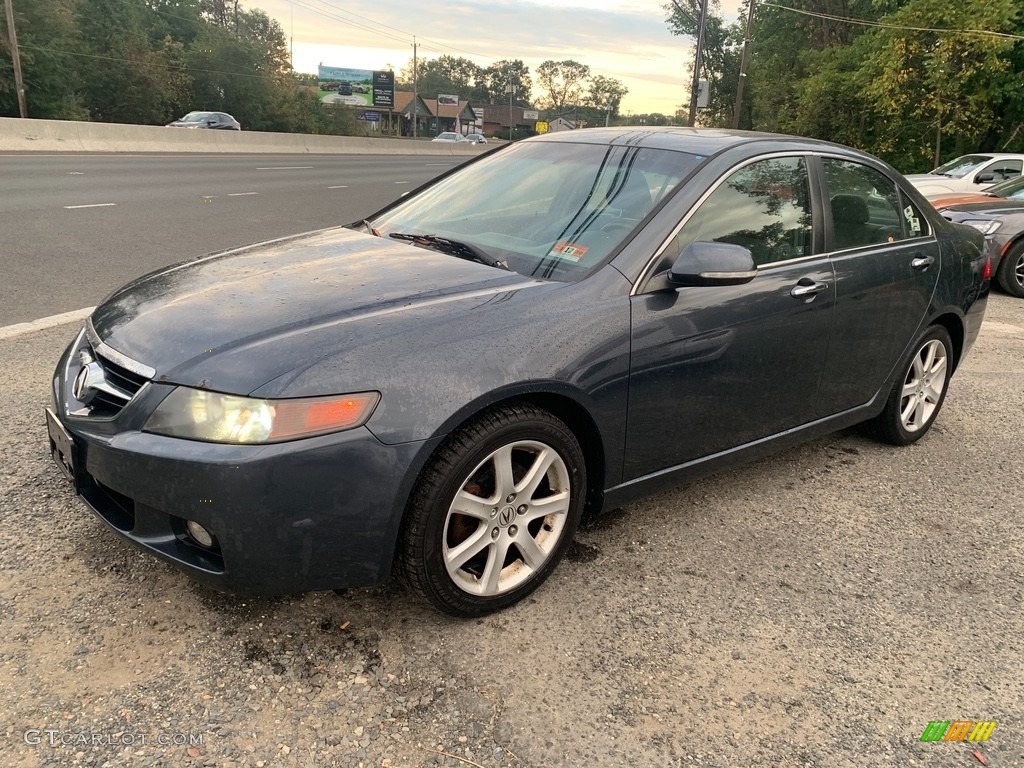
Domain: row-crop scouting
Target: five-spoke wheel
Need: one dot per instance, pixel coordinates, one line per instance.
(495, 511)
(918, 394)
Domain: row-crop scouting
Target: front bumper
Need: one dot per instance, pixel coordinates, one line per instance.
(319, 513)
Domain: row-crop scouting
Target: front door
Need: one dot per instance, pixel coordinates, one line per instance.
(717, 367)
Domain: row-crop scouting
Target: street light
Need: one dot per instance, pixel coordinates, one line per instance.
(510, 89)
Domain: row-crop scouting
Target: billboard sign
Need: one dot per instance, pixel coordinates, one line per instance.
(530, 114)
(384, 89)
(356, 87)
(447, 100)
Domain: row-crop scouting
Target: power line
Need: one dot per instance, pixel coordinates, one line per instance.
(883, 25)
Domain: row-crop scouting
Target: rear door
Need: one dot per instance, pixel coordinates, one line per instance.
(886, 263)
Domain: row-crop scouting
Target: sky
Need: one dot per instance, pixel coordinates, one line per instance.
(629, 41)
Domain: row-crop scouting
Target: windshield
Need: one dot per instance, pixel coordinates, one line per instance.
(549, 210)
(961, 166)
(197, 117)
(1013, 189)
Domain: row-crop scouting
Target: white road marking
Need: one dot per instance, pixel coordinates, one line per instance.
(438, 165)
(91, 205)
(340, 186)
(75, 173)
(285, 168)
(241, 194)
(401, 182)
(10, 331)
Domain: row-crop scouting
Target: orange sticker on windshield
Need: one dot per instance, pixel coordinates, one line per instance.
(568, 250)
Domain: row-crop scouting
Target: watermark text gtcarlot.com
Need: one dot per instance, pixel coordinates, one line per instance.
(53, 737)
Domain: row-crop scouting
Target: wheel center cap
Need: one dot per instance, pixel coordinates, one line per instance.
(506, 516)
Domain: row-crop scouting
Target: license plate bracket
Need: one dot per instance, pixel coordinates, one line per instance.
(63, 449)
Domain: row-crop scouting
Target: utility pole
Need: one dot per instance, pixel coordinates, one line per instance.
(415, 91)
(698, 56)
(744, 60)
(19, 84)
(511, 122)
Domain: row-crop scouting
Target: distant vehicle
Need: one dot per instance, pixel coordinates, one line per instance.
(1001, 220)
(360, 89)
(345, 89)
(970, 173)
(220, 121)
(450, 136)
(1007, 190)
(331, 86)
(476, 138)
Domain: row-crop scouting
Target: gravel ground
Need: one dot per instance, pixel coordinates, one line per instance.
(818, 608)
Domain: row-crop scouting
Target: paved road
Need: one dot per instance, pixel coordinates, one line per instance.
(148, 211)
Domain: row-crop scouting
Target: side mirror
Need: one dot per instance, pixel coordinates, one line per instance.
(984, 178)
(713, 264)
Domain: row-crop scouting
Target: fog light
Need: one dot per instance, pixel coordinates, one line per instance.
(202, 536)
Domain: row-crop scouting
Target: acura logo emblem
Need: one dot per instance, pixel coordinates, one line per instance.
(90, 381)
(506, 516)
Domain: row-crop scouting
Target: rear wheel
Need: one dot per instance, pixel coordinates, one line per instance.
(1011, 271)
(494, 512)
(917, 396)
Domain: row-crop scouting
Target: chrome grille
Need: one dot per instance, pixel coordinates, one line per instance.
(100, 380)
(107, 403)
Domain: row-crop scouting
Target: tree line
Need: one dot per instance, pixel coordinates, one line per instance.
(898, 84)
(150, 61)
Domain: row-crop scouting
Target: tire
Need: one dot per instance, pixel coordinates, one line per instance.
(1010, 274)
(478, 504)
(918, 394)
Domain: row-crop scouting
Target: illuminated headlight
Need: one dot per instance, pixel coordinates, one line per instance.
(213, 417)
(985, 226)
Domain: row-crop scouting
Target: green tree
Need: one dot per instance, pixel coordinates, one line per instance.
(563, 84)
(46, 36)
(497, 77)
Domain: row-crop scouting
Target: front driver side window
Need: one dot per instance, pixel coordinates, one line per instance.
(764, 206)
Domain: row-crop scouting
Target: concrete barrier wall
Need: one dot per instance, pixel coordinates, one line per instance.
(18, 135)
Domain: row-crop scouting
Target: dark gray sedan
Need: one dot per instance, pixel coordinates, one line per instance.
(555, 328)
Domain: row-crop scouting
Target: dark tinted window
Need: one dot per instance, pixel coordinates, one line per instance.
(1004, 169)
(764, 206)
(866, 207)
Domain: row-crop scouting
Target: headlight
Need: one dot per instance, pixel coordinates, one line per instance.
(196, 414)
(985, 226)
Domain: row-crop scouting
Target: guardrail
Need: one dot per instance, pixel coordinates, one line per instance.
(18, 135)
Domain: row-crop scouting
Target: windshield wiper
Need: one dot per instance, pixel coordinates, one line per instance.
(452, 248)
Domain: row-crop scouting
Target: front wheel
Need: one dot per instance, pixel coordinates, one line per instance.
(917, 396)
(1010, 274)
(494, 512)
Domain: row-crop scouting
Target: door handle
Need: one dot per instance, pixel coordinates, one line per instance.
(922, 262)
(807, 287)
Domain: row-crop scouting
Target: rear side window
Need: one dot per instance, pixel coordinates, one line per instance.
(866, 206)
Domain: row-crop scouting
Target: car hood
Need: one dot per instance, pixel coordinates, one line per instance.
(991, 207)
(199, 323)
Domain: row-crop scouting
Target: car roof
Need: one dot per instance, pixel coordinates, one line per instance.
(698, 141)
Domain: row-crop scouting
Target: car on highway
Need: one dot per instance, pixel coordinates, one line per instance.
(476, 138)
(1001, 220)
(221, 121)
(450, 136)
(969, 173)
(560, 326)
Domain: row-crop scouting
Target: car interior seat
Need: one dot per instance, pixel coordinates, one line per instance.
(850, 226)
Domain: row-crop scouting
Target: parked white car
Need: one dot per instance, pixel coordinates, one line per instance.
(970, 173)
(450, 136)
